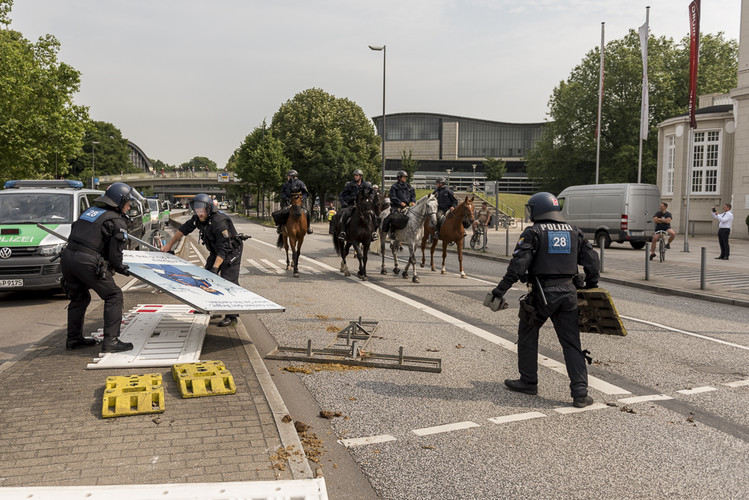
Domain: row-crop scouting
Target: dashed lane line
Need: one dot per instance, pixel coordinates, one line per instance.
(382, 438)
(566, 410)
(738, 383)
(439, 429)
(517, 417)
(697, 390)
(643, 399)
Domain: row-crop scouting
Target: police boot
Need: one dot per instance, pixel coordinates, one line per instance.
(228, 321)
(582, 401)
(309, 222)
(114, 344)
(79, 342)
(520, 386)
(278, 229)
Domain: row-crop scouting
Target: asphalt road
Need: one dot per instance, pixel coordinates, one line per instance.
(460, 433)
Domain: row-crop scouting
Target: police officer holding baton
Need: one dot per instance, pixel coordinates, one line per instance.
(219, 236)
(549, 252)
(93, 253)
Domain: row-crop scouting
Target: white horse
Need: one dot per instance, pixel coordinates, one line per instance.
(410, 235)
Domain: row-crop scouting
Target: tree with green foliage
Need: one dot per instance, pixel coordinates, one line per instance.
(494, 168)
(566, 153)
(261, 163)
(326, 138)
(409, 165)
(110, 153)
(40, 126)
(199, 164)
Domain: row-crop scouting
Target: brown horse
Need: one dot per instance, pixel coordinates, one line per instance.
(451, 231)
(293, 232)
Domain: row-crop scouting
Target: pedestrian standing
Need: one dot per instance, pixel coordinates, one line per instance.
(89, 261)
(547, 255)
(218, 234)
(725, 222)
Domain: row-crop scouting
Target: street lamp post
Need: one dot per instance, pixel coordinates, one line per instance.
(448, 176)
(473, 186)
(93, 164)
(384, 66)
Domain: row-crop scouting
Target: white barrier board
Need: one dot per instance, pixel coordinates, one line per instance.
(194, 285)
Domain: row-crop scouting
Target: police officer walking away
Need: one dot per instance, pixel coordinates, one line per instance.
(219, 236)
(94, 250)
(549, 252)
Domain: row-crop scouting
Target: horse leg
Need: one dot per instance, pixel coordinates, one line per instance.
(363, 269)
(382, 253)
(360, 256)
(460, 258)
(394, 249)
(444, 256)
(344, 267)
(415, 279)
(431, 254)
(297, 251)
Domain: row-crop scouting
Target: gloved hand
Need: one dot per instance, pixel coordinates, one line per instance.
(495, 303)
(214, 270)
(498, 292)
(123, 269)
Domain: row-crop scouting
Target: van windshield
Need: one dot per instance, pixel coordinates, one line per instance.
(30, 208)
(153, 205)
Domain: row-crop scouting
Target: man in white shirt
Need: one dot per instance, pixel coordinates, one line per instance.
(725, 221)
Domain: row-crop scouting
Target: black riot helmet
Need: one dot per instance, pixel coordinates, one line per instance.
(402, 173)
(203, 201)
(116, 196)
(293, 174)
(441, 180)
(358, 171)
(543, 206)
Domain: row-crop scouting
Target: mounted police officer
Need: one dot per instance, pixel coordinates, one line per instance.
(292, 186)
(446, 202)
(401, 196)
(219, 236)
(347, 199)
(93, 254)
(547, 255)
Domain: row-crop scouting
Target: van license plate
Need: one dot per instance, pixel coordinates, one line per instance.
(11, 283)
(637, 233)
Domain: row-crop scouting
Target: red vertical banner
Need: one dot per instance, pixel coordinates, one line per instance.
(694, 49)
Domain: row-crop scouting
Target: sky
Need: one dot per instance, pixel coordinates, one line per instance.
(186, 78)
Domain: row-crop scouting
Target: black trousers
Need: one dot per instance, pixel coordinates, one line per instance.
(562, 309)
(725, 249)
(228, 270)
(79, 273)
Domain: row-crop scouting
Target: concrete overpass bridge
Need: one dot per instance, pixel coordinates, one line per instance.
(172, 184)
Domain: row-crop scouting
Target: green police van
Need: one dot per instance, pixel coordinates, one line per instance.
(26, 251)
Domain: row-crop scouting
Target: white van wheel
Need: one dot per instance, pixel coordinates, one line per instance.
(603, 240)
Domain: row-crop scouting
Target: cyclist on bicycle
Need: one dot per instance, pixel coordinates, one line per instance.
(482, 216)
(662, 219)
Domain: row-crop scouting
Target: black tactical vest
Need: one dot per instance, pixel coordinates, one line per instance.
(86, 231)
(557, 250)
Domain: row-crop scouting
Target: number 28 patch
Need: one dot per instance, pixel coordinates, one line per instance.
(560, 242)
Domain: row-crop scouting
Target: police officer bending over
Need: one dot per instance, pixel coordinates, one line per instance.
(219, 236)
(549, 252)
(347, 199)
(446, 202)
(93, 252)
(291, 186)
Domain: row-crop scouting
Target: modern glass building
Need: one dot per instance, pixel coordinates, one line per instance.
(455, 147)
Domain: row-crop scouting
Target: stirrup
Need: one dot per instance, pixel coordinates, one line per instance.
(342, 236)
(374, 236)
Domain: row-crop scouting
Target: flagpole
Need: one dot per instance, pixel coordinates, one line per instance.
(600, 102)
(694, 51)
(644, 105)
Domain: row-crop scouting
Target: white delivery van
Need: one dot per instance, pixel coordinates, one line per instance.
(612, 212)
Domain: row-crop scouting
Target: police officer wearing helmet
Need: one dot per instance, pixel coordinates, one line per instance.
(549, 252)
(93, 253)
(219, 236)
(347, 199)
(402, 195)
(291, 186)
(446, 202)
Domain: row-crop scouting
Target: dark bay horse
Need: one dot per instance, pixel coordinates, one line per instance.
(451, 231)
(293, 232)
(358, 232)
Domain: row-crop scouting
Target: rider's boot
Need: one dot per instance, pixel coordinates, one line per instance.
(278, 229)
(309, 222)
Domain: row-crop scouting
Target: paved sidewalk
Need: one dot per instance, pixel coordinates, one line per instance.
(680, 274)
(53, 433)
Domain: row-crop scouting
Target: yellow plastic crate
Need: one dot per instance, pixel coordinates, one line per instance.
(206, 378)
(134, 395)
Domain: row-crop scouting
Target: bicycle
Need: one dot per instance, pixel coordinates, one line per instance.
(507, 222)
(662, 245)
(479, 238)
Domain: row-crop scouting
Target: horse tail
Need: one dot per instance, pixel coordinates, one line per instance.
(337, 244)
(279, 241)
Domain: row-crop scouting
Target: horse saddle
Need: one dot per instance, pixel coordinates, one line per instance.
(280, 216)
(398, 220)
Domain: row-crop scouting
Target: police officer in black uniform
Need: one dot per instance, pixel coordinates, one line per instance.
(549, 252)
(219, 236)
(93, 253)
(291, 186)
(347, 199)
(446, 202)
(401, 196)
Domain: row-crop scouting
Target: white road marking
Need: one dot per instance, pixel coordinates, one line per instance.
(302, 268)
(257, 265)
(677, 330)
(593, 382)
(738, 383)
(426, 431)
(382, 438)
(642, 399)
(273, 266)
(697, 390)
(565, 410)
(517, 417)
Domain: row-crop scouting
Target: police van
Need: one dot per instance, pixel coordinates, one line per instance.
(26, 251)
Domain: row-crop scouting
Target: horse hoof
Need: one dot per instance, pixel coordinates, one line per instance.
(405, 275)
(296, 275)
(396, 271)
(288, 268)
(422, 264)
(443, 272)
(463, 275)
(415, 279)
(383, 271)
(347, 274)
